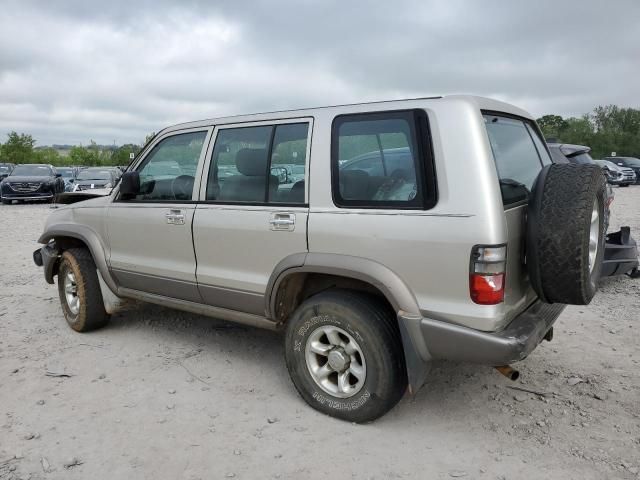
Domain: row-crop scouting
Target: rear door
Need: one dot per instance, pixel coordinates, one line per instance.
(519, 154)
(253, 210)
(150, 235)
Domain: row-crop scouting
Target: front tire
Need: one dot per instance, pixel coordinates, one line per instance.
(79, 291)
(344, 355)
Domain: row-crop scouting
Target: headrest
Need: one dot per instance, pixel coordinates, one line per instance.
(252, 162)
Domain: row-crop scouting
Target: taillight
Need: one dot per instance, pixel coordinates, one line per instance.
(486, 278)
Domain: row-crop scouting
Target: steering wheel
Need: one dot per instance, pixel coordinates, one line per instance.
(182, 187)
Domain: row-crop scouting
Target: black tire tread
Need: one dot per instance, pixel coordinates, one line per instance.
(561, 237)
(92, 314)
(382, 320)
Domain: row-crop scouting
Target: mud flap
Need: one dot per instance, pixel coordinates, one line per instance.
(620, 253)
(417, 367)
(112, 303)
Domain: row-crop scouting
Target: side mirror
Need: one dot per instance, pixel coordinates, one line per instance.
(71, 180)
(129, 185)
(3, 176)
(58, 175)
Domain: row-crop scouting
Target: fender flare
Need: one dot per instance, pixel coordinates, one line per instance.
(395, 290)
(90, 239)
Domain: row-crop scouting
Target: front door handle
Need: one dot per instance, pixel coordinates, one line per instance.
(284, 222)
(175, 217)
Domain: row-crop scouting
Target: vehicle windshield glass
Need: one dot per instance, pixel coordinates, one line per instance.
(631, 162)
(581, 158)
(32, 171)
(66, 172)
(94, 175)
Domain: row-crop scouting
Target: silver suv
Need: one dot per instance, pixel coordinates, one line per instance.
(377, 236)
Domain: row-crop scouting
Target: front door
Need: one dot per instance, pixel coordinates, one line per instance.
(253, 210)
(150, 235)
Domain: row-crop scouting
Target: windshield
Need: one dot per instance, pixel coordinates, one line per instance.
(32, 171)
(94, 175)
(66, 172)
(631, 162)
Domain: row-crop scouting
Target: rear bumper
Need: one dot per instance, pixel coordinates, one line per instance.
(514, 343)
(620, 253)
(425, 339)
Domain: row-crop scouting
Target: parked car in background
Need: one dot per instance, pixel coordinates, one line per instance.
(31, 182)
(5, 169)
(629, 162)
(616, 175)
(95, 178)
(69, 177)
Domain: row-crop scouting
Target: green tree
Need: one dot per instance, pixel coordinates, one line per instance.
(47, 155)
(552, 125)
(18, 148)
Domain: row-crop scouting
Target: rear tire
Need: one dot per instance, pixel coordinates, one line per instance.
(360, 373)
(566, 233)
(7, 202)
(79, 291)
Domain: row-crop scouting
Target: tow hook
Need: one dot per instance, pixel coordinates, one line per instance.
(508, 372)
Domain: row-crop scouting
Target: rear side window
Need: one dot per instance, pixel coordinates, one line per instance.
(259, 165)
(382, 160)
(516, 155)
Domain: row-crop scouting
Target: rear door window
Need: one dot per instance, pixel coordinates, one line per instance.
(517, 158)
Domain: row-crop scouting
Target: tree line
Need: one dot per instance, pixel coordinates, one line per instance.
(606, 129)
(20, 148)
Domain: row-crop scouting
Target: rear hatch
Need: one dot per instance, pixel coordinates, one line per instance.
(519, 153)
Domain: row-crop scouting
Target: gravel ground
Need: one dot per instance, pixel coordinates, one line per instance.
(161, 394)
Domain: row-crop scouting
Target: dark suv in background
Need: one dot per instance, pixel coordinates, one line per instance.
(31, 182)
(629, 162)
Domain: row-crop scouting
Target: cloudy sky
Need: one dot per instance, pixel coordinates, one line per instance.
(71, 71)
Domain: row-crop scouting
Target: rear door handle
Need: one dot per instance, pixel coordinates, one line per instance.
(175, 217)
(284, 222)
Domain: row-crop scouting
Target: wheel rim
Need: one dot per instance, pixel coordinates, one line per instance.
(335, 361)
(594, 236)
(71, 293)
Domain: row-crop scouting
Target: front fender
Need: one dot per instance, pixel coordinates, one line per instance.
(89, 238)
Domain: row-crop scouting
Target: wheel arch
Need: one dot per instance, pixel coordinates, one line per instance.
(72, 235)
(379, 277)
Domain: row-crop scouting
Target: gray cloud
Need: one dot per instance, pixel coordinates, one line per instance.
(71, 71)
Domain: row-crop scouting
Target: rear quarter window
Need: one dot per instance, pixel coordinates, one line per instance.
(517, 155)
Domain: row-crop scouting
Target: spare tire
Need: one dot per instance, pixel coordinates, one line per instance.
(565, 232)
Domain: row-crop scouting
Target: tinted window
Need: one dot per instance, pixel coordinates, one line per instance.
(168, 172)
(581, 158)
(377, 161)
(542, 151)
(259, 165)
(515, 155)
